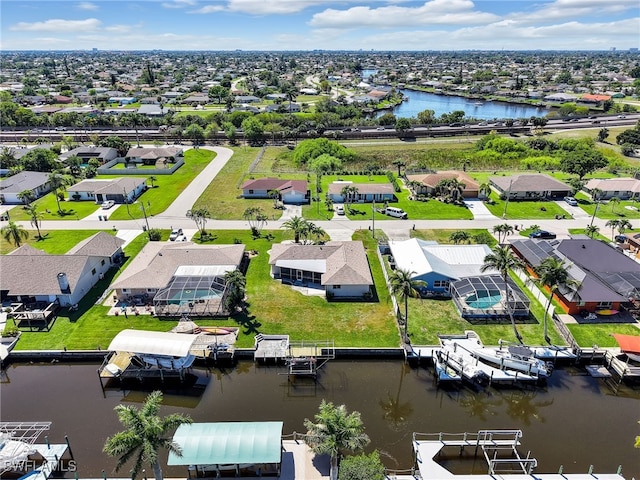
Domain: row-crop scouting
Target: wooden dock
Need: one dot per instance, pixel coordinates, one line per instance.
(271, 347)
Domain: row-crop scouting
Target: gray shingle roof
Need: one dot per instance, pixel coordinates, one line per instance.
(529, 183)
(102, 244)
(23, 181)
(335, 188)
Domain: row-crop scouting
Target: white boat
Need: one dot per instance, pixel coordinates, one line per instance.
(444, 371)
(553, 352)
(514, 357)
(460, 361)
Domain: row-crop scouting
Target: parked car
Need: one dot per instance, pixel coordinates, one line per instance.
(181, 238)
(380, 128)
(620, 238)
(571, 201)
(543, 234)
(622, 116)
(175, 233)
(107, 204)
(339, 209)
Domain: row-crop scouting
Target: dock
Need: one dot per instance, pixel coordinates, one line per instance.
(500, 451)
(301, 357)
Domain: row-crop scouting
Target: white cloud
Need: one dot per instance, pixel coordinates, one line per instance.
(433, 12)
(208, 9)
(58, 25)
(179, 4)
(88, 6)
(573, 9)
(265, 7)
(122, 28)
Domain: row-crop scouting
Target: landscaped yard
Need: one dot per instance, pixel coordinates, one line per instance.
(629, 209)
(47, 206)
(167, 187)
(53, 242)
(523, 210)
(587, 335)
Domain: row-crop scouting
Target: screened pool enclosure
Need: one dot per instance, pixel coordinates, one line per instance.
(193, 291)
(484, 296)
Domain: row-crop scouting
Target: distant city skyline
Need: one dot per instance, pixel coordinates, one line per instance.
(320, 25)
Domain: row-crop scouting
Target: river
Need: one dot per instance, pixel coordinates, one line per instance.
(574, 421)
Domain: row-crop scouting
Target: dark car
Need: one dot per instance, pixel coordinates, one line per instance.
(542, 234)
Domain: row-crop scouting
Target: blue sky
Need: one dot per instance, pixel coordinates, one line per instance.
(319, 24)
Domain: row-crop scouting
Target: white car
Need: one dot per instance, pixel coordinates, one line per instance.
(339, 209)
(107, 204)
(181, 238)
(175, 233)
(571, 201)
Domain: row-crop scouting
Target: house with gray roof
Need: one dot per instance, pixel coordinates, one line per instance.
(534, 186)
(35, 182)
(340, 268)
(120, 190)
(623, 188)
(103, 154)
(31, 276)
(366, 192)
(180, 278)
(152, 110)
(289, 191)
(152, 155)
(606, 277)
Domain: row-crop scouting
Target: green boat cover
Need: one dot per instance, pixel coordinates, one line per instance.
(228, 443)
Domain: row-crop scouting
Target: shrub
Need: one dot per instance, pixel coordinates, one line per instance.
(155, 235)
(362, 467)
(10, 331)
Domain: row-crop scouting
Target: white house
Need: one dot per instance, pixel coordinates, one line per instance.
(367, 192)
(120, 190)
(341, 268)
(35, 182)
(289, 191)
(623, 188)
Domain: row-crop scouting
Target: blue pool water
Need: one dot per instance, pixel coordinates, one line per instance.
(190, 295)
(483, 302)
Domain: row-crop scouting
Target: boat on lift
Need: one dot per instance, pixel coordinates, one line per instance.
(515, 357)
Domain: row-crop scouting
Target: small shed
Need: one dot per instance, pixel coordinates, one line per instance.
(240, 448)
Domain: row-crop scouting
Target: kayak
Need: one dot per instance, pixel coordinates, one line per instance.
(607, 312)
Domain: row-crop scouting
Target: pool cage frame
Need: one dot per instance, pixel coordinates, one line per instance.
(489, 285)
(180, 298)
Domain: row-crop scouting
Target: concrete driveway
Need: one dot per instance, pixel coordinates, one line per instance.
(291, 211)
(479, 210)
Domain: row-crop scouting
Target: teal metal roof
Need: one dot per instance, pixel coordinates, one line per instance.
(228, 443)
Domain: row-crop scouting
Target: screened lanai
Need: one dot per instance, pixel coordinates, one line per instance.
(193, 290)
(484, 296)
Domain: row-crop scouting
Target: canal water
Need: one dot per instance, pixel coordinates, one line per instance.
(574, 420)
(486, 110)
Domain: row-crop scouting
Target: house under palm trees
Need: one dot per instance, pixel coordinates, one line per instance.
(606, 277)
(426, 183)
(180, 278)
(438, 265)
(35, 182)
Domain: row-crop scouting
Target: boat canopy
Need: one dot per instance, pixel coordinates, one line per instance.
(628, 343)
(152, 343)
(228, 443)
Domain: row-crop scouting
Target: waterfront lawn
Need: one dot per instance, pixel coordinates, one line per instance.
(53, 241)
(588, 334)
(47, 206)
(442, 236)
(610, 211)
(167, 187)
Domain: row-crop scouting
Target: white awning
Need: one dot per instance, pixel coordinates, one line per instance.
(153, 343)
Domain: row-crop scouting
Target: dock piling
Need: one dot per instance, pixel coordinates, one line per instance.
(66, 439)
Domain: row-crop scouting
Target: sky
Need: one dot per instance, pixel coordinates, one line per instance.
(320, 24)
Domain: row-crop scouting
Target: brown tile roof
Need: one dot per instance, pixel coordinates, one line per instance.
(432, 179)
(156, 263)
(345, 263)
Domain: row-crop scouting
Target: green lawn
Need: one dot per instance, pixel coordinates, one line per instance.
(442, 235)
(599, 235)
(525, 210)
(167, 187)
(53, 242)
(610, 211)
(587, 335)
(71, 210)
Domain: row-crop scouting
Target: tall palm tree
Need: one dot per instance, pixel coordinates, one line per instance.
(624, 226)
(485, 190)
(503, 259)
(25, 196)
(613, 223)
(334, 432)
(297, 225)
(596, 195)
(614, 202)
(146, 433)
(503, 230)
(14, 233)
(35, 218)
(592, 230)
(403, 285)
(58, 182)
(349, 192)
(552, 273)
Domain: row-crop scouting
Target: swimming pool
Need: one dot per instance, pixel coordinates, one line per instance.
(483, 300)
(184, 296)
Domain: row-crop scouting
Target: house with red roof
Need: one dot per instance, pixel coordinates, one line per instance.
(289, 191)
(594, 98)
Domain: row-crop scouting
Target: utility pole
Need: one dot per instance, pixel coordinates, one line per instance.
(504, 213)
(373, 217)
(144, 212)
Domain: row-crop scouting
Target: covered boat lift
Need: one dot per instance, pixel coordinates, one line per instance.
(141, 353)
(229, 449)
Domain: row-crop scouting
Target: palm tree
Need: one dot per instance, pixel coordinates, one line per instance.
(36, 218)
(592, 230)
(614, 202)
(552, 273)
(57, 182)
(153, 180)
(297, 225)
(25, 196)
(200, 217)
(624, 226)
(485, 190)
(614, 223)
(403, 284)
(14, 233)
(335, 431)
(145, 434)
(236, 283)
(503, 230)
(502, 259)
(596, 195)
(459, 236)
(349, 192)
(274, 195)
